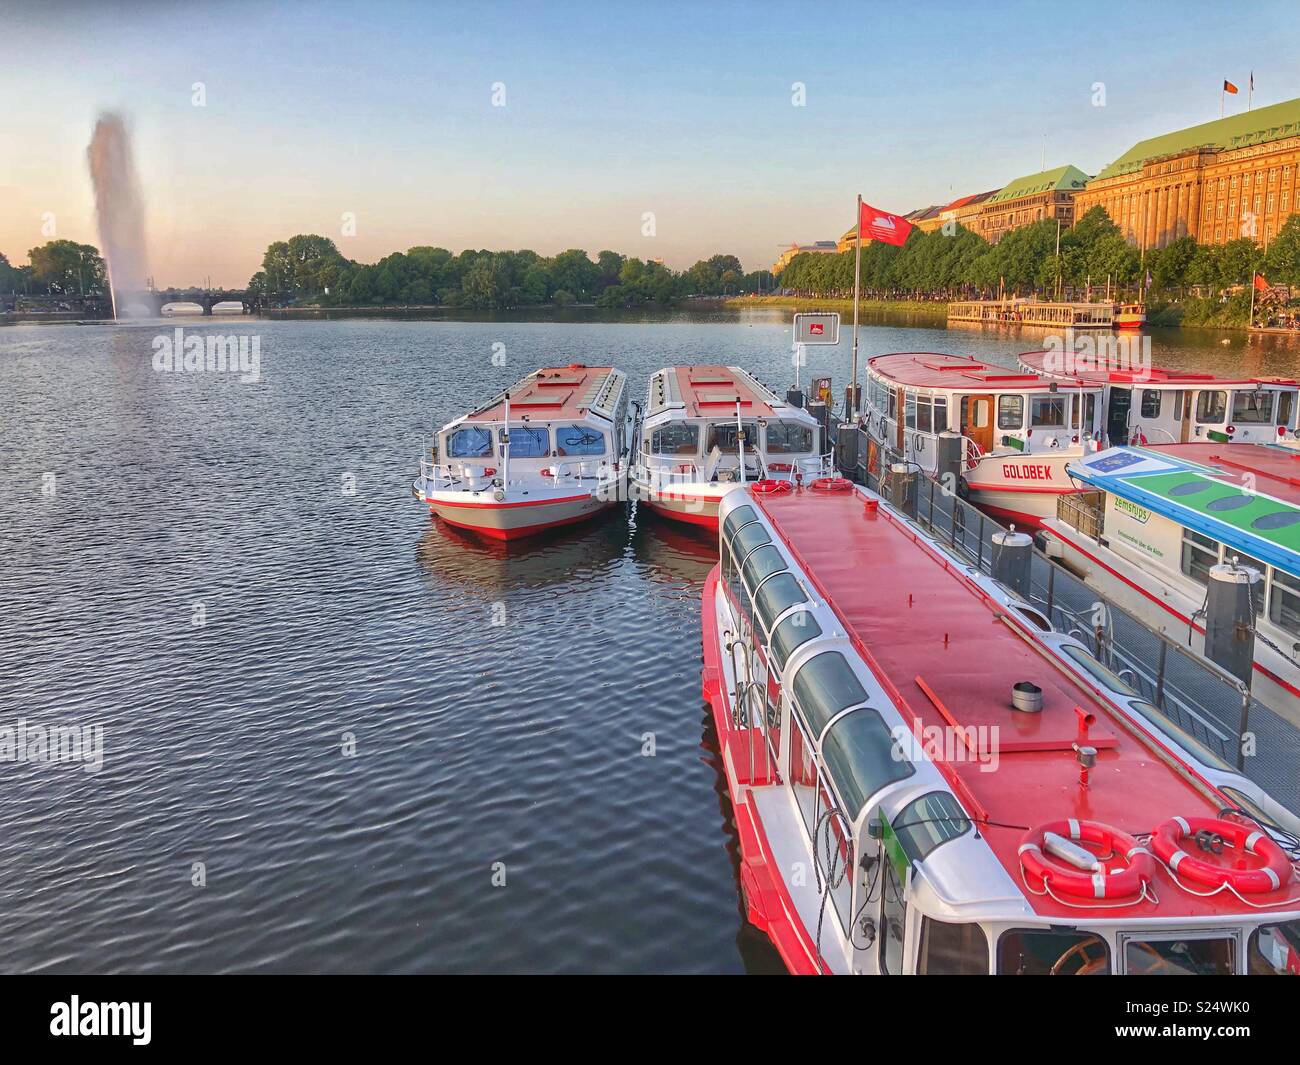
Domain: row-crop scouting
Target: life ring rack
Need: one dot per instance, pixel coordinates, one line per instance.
(831, 484)
(1055, 877)
(769, 487)
(1211, 834)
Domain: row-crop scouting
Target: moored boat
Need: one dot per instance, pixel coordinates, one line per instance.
(925, 781)
(1130, 316)
(710, 429)
(1145, 404)
(552, 450)
(1161, 525)
(1016, 431)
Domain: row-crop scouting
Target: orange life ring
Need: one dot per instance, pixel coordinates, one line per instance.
(1098, 883)
(831, 484)
(1276, 871)
(767, 488)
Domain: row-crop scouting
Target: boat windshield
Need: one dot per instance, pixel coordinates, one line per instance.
(1275, 950)
(676, 438)
(1253, 408)
(1052, 952)
(722, 435)
(471, 442)
(1180, 957)
(789, 438)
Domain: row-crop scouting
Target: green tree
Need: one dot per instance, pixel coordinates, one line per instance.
(1282, 262)
(66, 268)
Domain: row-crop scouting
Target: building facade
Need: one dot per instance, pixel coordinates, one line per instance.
(1219, 181)
(822, 247)
(1032, 198)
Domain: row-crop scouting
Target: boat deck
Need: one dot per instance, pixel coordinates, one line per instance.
(948, 655)
(1137, 375)
(552, 392)
(926, 369)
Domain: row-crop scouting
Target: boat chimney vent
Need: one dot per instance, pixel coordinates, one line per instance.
(1087, 759)
(1027, 697)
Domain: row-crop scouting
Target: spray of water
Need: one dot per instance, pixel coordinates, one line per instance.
(119, 211)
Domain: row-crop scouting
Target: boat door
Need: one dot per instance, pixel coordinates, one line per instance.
(977, 421)
(1185, 419)
(1117, 412)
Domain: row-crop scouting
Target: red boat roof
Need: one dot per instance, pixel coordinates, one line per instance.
(1276, 470)
(1154, 375)
(924, 369)
(711, 391)
(948, 655)
(549, 393)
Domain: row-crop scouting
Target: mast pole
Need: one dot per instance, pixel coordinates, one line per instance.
(857, 282)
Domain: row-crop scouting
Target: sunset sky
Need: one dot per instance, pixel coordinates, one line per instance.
(385, 110)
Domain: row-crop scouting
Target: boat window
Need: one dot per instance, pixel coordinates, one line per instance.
(924, 420)
(526, 442)
(794, 631)
(1211, 407)
(893, 405)
(1011, 412)
(1199, 554)
(776, 595)
(929, 821)
(1285, 405)
(1047, 412)
(722, 435)
(909, 410)
(862, 757)
(1178, 406)
(823, 687)
(1103, 676)
(724, 558)
(749, 537)
(1047, 952)
(1253, 408)
(761, 563)
(579, 440)
(471, 442)
(952, 949)
(1180, 957)
(789, 438)
(1151, 402)
(676, 438)
(1284, 602)
(940, 414)
(738, 517)
(1274, 950)
(1186, 740)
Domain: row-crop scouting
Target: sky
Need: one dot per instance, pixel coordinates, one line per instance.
(686, 112)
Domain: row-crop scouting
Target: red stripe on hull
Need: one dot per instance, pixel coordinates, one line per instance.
(704, 521)
(768, 905)
(519, 533)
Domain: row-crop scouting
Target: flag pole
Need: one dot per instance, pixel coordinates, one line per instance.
(1222, 96)
(857, 281)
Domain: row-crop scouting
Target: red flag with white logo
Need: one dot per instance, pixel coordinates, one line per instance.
(883, 226)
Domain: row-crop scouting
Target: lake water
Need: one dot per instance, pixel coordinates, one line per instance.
(298, 678)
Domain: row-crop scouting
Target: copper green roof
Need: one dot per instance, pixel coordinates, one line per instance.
(1236, 131)
(1063, 178)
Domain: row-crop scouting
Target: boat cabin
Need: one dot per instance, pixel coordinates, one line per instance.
(1151, 405)
(913, 397)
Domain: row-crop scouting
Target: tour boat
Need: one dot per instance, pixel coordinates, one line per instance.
(1130, 316)
(1017, 430)
(926, 781)
(710, 429)
(1157, 520)
(551, 450)
(1145, 404)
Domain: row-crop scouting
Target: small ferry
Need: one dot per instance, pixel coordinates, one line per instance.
(1017, 310)
(1156, 520)
(710, 429)
(1150, 405)
(1130, 316)
(925, 781)
(1018, 430)
(552, 450)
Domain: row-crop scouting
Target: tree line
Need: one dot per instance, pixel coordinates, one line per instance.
(56, 268)
(308, 267)
(956, 263)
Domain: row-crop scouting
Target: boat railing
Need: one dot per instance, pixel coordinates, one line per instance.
(1083, 512)
(1191, 696)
